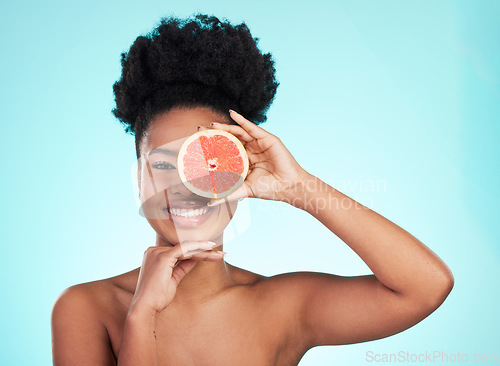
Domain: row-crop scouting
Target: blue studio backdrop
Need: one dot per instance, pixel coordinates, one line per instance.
(394, 103)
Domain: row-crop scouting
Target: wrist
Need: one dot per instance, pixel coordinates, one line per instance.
(137, 310)
(295, 193)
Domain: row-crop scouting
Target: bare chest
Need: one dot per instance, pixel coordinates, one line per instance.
(234, 334)
(230, 339)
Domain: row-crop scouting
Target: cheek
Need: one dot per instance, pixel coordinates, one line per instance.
(161, 183)
(154, 188)
(166, 230)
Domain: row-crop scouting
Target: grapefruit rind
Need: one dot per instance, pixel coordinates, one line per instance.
(211, 133)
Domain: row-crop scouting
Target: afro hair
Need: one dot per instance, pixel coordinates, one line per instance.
(197, 61)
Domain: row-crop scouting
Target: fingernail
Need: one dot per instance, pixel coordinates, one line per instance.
(212, 243)
(221, 252)
(231, 111)
(215, 123)
(199, 128)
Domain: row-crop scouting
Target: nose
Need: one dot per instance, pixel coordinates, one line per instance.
(178, 190)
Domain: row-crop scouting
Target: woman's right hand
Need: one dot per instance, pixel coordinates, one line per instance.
(162, 270)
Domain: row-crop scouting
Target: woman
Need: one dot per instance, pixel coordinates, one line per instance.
(185, 305)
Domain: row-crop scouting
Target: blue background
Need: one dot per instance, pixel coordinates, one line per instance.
(395, 103)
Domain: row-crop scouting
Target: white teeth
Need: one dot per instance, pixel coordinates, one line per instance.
(188, 213)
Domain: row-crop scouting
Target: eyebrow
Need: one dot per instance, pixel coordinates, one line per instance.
(162, 150)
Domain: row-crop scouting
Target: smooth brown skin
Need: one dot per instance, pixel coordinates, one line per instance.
(219, 314)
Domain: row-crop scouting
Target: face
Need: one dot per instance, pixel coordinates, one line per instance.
(174, 212)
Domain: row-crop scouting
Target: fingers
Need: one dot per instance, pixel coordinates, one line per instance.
(206, 255)
(235, 130)
(240, 193)
(183, 250)
(182, 268)
(201, 128)
(252, 129)
(199, 250)
(187, 248)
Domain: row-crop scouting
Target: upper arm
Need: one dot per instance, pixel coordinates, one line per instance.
(78, 336)
(335, 310)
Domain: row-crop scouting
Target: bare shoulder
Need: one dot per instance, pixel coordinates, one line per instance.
(244, 277)
(78, 324)
(286, 291)
(96, 297)
(81, 295)
(295, 290)
(292, 284)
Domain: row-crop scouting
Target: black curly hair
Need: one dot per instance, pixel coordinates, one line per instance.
(197, 61)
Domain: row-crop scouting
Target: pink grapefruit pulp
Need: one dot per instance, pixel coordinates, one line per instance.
(212, 163)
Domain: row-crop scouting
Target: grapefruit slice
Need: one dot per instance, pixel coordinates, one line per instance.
(212, 163)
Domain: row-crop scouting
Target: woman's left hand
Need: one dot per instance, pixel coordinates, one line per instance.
(273, 172)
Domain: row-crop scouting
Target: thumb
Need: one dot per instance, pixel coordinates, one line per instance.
(241, 192)
(182, 268)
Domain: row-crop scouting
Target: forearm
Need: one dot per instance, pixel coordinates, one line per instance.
(399, 260)
(138, 345)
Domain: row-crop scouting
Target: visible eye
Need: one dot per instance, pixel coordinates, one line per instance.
(163, 165)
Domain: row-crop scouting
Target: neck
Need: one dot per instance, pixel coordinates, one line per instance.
(205, 281)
